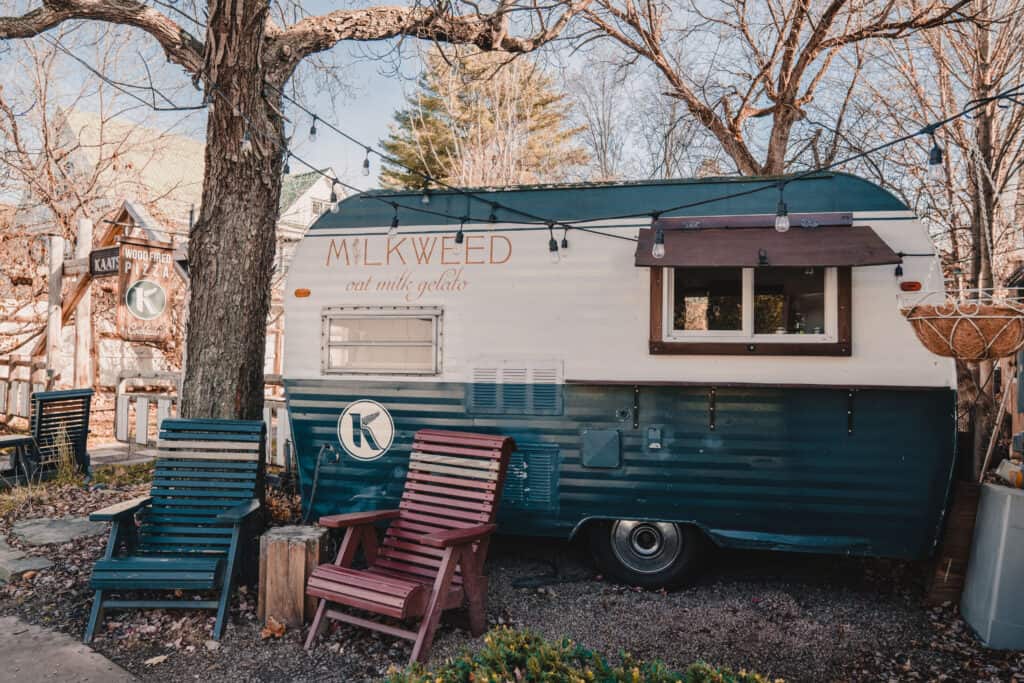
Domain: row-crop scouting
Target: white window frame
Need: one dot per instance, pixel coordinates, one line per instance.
(341, 312)
(746, 333)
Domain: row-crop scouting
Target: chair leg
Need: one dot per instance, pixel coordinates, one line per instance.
(314, 628)
(222, 610)
(425, 638)
(475, 586)
(95, 614)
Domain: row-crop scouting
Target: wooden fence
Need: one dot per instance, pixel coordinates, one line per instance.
(19, 377)
(143, 401)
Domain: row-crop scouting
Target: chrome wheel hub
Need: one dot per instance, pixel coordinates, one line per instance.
(646, 547)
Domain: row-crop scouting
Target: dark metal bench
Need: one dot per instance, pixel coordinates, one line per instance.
(192, 525)
(58, 418)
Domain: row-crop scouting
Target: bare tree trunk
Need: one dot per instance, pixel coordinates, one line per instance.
(231, 250)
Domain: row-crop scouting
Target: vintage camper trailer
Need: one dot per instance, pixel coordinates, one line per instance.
(706, 378)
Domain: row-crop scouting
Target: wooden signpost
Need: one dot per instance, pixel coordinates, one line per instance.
(146, 284)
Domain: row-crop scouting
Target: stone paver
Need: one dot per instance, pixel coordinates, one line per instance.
(32, 653)
(44, 531)
(14, 563)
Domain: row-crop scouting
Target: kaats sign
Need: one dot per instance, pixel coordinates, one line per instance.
(415, 264)
(147, 280)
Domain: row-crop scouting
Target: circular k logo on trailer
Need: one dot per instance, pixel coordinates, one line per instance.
(145, 299)
(366, 430)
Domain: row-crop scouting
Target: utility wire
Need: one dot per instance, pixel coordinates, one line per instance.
(1009, 94)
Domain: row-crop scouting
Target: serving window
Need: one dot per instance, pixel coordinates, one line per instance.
(383, 340)
(774, 310)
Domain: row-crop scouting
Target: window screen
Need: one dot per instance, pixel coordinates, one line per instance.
(789, 301)
(399, 341)
(708, 299)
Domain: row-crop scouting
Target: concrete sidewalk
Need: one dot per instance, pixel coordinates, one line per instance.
(33, 653)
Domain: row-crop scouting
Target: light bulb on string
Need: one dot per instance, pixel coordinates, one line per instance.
(493, 217)
(393, 230)
(460, 237)
(898, 273)
(312, 130)
(335, 206)
(366, 163)
(287, 167)
(781, 212)
(425, 199)
(246, 145)
(936, 169)
(658, 248)
(553, 245)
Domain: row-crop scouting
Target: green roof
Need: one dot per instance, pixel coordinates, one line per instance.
(820, 193)
(294, 186)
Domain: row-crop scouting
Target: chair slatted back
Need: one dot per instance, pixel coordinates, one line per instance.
(61, 417)
(205, 467)
(454, 482)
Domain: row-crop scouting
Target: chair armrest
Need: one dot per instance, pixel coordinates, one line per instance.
(120, 510)
(357, 518)
(239, 512)
(445, 539)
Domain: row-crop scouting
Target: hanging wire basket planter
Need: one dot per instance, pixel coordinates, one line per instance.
(977, 325)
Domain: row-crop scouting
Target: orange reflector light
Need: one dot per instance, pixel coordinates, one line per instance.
(910, 286)
(302, 292)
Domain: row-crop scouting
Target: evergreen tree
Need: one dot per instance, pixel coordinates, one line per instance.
(476, 119)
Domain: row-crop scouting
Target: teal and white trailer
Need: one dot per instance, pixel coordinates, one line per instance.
(706, 377)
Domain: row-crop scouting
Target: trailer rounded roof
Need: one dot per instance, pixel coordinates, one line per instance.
(820, 193)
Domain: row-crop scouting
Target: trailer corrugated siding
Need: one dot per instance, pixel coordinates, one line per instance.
(808, 469)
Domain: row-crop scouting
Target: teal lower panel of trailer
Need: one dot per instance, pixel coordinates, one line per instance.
(831, 470)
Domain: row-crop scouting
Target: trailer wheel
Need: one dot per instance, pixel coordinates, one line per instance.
(647, 554)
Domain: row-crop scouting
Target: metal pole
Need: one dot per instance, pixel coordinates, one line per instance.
(996, 429)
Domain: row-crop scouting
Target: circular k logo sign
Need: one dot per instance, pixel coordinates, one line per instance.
(145, 299)
(366, 430)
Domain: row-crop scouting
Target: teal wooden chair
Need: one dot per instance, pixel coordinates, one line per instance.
(188, 533)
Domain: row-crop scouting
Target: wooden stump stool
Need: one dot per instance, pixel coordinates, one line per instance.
(288, 555)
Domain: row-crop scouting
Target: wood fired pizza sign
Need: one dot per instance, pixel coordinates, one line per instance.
(415, 265)
(146, 283)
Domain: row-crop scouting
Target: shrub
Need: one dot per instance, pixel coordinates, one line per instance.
(521, 656)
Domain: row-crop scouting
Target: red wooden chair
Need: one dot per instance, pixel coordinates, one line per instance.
(433, 552)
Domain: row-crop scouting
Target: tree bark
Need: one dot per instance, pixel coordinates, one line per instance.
(231, 249)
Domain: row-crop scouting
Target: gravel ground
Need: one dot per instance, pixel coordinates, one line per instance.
(801, 618)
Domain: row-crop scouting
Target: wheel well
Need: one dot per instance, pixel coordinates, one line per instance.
(584, 525)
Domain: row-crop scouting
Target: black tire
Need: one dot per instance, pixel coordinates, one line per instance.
(647, 554)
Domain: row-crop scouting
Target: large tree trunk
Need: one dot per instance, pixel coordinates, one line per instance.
(231, 251)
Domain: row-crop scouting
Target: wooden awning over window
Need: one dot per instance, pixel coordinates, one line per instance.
(821, 246)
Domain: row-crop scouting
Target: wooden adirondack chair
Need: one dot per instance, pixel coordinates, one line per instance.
(433, 551)
(58, 418)
(191, 526)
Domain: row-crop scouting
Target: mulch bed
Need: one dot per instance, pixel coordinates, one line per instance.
(802, 618)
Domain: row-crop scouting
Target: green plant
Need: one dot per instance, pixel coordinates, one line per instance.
(522, 656)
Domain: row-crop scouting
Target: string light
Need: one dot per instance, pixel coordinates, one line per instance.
(936, 169)
(425, 199)
(393, 230)
(782, 212)
(335, 206)
(899, 272)
(460, 237)
(366, 163)
(287, 166)
(312, 130)
(246, 145)
(493, 218)
(565, 238)
(658, 248)
(553, 244)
